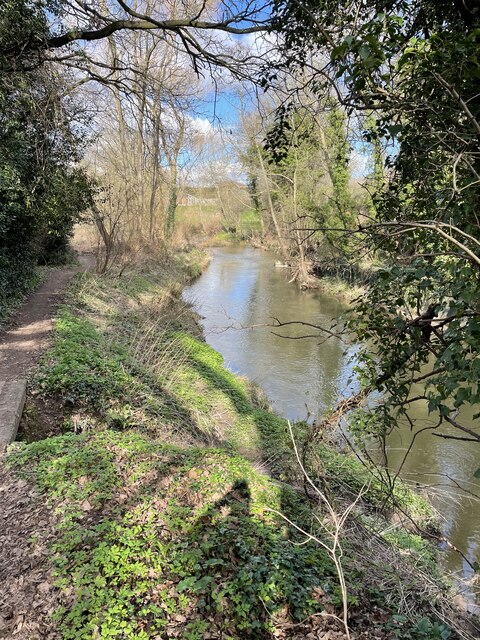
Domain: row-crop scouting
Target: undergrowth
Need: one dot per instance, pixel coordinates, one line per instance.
(173, 540)
(156, 539)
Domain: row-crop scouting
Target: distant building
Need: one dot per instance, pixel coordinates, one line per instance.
(189, 199)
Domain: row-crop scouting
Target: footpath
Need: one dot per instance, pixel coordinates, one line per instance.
(23, 342)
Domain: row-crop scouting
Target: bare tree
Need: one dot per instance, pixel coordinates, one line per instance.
(144, 121)
(192, 27)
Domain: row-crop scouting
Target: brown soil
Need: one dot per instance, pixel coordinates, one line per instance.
(27, 594)
(27, 337)
(43, 417)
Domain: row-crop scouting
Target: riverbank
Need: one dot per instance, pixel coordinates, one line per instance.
(164, 482)
(342, 289)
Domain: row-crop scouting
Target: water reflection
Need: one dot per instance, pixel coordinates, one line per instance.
(447, 468)
(240, 292)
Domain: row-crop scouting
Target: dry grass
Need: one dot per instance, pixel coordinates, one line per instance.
(85, 238)
(404, 583)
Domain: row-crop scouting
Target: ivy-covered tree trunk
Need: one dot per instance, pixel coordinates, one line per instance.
(271, 208)
(171, 205)
(339, 213)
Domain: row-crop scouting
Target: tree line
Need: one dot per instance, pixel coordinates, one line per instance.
(403, 75)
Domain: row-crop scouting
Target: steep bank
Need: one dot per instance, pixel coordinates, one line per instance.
(163, 490)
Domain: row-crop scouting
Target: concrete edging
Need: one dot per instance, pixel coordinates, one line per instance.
(12, 401)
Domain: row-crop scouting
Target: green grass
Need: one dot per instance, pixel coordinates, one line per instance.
(225, 238)
(339, 288)
(164, 518)
(207, 217)
(185, 211)
(154, 538)
(345, 473)
(192, 394)
(249, 226)
(251, 222)
(128, 354)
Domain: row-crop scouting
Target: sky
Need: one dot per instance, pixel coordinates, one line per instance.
(218, 110)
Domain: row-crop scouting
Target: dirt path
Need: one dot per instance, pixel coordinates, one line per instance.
(26, 339)
(27, 595)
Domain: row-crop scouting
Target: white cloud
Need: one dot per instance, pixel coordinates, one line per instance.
(202, 126)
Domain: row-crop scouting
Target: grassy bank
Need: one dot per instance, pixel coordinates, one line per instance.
(177, 497)
(205, 225)
(340, 289)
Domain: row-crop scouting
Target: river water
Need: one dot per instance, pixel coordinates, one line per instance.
(240, 295)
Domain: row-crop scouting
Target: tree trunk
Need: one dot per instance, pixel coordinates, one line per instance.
(270, 203)
(172, 206)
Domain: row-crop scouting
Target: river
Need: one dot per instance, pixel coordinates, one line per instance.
(240, 294)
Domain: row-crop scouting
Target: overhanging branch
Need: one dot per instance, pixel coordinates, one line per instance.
(109, 29)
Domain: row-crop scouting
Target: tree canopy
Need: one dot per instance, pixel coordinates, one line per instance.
(42, 191)
(200, 30)
(413, 69)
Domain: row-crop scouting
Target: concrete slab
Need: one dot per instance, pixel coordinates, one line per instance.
(12, 401)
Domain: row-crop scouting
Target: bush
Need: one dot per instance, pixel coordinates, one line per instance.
(42, 191)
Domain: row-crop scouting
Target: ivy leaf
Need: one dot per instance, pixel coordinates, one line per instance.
(395, 129)
(186, 583)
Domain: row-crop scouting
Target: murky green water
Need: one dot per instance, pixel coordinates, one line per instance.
(240, 293)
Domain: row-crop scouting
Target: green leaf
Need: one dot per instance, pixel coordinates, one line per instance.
(395, 129)
(364, 52)
(186, 583)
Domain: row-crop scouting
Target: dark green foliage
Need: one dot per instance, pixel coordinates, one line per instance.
(42, 192)
(20, 21)
(341, 211)
(406, 347)
(414, 69)
(425, 629)
(309, 157)
(82, 367)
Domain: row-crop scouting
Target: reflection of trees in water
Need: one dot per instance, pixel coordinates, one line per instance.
(304, 369)
(446, 468)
